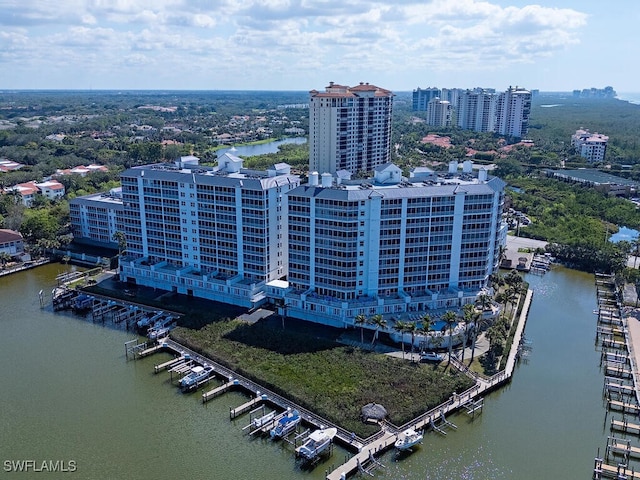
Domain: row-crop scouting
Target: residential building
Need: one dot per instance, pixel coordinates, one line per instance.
(439, 113)
(9, 165)
(390, 245)
(512, 112)
(349, 128)
(11, 243)
(592, 146)
(96, 218)
(213, 232)
(52, 189)
(476, 110)
(27, 192)
(82, 170)
(422, 97)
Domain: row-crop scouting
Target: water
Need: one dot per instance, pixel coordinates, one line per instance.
(624, 233)
(262, 148)
(68, 394)
(631, 97)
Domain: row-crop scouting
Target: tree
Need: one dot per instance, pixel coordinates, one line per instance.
(450, 318)
(4, 259)
(122, 242)
(378, 322)
(469, 317)
(401, 327)
(412, 328)
(361, 320)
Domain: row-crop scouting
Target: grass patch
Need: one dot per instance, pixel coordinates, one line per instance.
(333, 380)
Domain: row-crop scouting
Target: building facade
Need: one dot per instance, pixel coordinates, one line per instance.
(349, 128)
(439, 113)
(422, 97)
(213, 232)
(391, 245)
(512, 112)
(96, 218)
(592, 146)
(476, 110)
(11, 243)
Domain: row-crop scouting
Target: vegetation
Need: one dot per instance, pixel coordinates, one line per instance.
(333, 380)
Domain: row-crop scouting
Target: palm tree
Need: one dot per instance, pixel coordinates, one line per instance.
(469, 316)
(4, 259)
(427, 325)
(412, 328)
(450, 317)
(635, 245)
(361, 320)
(401, 327)
(484, 300)
(378, 322)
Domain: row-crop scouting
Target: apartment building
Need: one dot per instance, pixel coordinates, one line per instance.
(212, 232)
(422, 96)
(389, 244)
(439, 113)
(512, 112)
(96, 218)
(349, 128)
(476, 110)
(592, 146)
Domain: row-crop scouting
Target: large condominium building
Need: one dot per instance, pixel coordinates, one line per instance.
(512, 112)
(391, 245)
(476, 110)
(422, 97)
(96, 218)
(439, 113)
(592, 146)
(349, 128)
(213, 232)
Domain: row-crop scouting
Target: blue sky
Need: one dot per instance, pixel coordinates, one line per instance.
(304, 44)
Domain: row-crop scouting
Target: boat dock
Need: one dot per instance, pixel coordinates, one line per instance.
(620, 389)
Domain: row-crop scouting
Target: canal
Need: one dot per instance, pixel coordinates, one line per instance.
(261, 148)
(68, 394)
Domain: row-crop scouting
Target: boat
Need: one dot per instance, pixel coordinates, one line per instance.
(148, 320)
(260, 422)
(196, 376)
(431, 357)
(316, 443)
(286, 424)
(161, 327)
(408, 439)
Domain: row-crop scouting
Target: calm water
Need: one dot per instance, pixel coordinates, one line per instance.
(624, 233)
(262, 148)
(68, 394)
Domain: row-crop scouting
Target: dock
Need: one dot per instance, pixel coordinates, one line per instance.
(625, 426)
(225, 387)
(617, 472)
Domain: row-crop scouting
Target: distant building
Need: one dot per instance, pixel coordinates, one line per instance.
(9, 165)
(605, 183)
(606, 92)
(476, 110)
(96, 218)
(439, 113)
(11, 243)
(82, 170)
(389, 245)
(212, 232)
(422, 97)
(592, 146)
(52, 189)
(349, 128)
(512, 112)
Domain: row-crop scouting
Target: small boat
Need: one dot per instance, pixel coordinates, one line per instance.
(316, 443)
(431, 357)
(408, 439)
(195, 377)
(148, 320)
(286, 425)
(260, 422)
(161, 327)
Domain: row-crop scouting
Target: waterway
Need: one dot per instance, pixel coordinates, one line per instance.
(261, 148)
(69, 394)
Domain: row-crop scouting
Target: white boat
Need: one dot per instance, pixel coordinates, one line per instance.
(316, 443)
(286, 425)
(148, 320)
(195, 377)
(431, 357)
(408, 439)
(161, 328)
(260, 422)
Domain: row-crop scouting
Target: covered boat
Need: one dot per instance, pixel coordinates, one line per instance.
(286, 424)
(196, 376)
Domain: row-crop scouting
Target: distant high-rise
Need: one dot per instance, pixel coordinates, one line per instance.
(422, 97)
(512, 112)
(349, 128)
(476, 110)
(439, 113)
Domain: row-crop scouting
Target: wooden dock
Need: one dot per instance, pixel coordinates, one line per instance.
(618, 472)
(169, 364)
(623, 406)
(622, 447)
(625, 426)
(245, 407)
(225, 387)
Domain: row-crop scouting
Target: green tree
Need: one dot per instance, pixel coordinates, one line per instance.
(361, 320)
(401, 328)
(378, 322)
(450, 318)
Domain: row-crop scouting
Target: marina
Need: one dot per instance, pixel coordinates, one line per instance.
(127, 404)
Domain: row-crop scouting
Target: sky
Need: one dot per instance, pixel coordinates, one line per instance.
(551, 45)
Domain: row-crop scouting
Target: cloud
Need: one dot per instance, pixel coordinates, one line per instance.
(282, 35)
